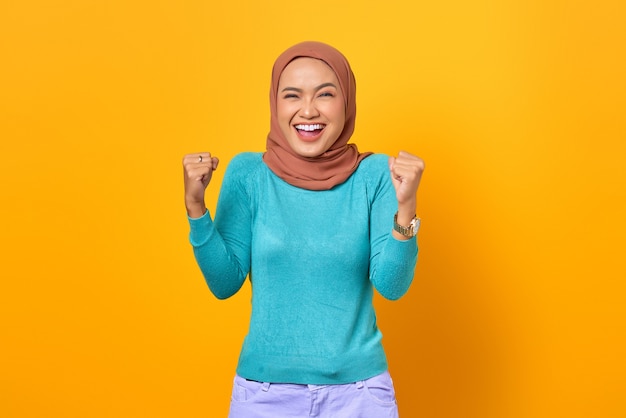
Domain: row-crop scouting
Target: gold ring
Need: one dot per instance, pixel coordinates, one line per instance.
(200, 158)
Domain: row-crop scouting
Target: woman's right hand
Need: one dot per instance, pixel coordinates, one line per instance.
(198, 169)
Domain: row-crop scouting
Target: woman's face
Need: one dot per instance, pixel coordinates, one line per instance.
(310, 106)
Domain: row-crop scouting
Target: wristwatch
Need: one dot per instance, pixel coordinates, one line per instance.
(407, 231)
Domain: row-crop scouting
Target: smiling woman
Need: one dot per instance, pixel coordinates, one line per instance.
(313, 343)
(302, 70)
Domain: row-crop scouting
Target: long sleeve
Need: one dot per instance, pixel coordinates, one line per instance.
(392, 261)
(222, 247)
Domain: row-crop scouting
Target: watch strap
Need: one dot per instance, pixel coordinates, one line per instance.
(407, 231)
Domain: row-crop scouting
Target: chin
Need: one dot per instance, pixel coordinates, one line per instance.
(309, 154)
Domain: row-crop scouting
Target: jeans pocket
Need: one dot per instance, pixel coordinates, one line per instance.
(380, 388)
(244, 390)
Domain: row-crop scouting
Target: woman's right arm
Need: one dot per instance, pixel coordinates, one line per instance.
(224, 261)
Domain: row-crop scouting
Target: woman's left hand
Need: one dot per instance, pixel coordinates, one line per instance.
(406, 172)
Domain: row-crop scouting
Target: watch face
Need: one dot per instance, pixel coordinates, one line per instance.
(415, 226)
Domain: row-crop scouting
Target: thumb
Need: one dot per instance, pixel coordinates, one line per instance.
(391, 162)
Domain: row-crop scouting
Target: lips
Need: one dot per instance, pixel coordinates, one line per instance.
(309, 132)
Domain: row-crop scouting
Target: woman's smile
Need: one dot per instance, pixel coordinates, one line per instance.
(309, 133)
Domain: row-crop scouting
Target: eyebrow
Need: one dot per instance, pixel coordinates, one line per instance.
(321, 86)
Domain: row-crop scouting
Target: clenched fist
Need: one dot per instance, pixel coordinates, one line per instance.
(406, 172)
(198, 169)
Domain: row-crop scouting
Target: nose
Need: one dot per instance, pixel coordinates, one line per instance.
(309, 110)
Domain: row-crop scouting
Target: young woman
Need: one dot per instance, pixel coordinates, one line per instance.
(316, 226)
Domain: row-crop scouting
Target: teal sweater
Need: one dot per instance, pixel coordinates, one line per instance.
(312, 258)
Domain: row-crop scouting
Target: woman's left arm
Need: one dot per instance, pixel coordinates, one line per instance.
(393, 255)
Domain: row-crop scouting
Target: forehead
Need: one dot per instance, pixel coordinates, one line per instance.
(305, 69)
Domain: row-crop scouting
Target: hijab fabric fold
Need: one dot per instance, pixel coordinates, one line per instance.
(338, 163)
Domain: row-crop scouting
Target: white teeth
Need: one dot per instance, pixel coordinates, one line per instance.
(309, 127)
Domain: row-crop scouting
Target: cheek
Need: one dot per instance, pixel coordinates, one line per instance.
(280, 112)
(338, 112)
(284, 120)
(285, 108)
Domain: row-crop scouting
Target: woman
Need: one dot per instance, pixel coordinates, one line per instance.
(316, 225)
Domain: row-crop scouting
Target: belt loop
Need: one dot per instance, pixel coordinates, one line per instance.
(266, 386)
(359, 384)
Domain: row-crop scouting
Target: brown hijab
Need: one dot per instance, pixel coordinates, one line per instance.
(334, 166)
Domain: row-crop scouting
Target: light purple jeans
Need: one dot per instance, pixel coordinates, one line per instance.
(371, 398)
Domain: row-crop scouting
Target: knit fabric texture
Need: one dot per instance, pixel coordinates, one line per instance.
(313, 259)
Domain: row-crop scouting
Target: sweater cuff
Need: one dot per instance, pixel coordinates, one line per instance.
(404, 247)
(200, 229)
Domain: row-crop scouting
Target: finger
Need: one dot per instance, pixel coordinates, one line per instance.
(197, 157)
(206, 165)
(406, 158)
(192, 162)
(204, 157)
(414, 163)
(407, 155)
(400, 167)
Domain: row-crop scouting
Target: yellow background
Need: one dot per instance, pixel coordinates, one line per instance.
(518, 108)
